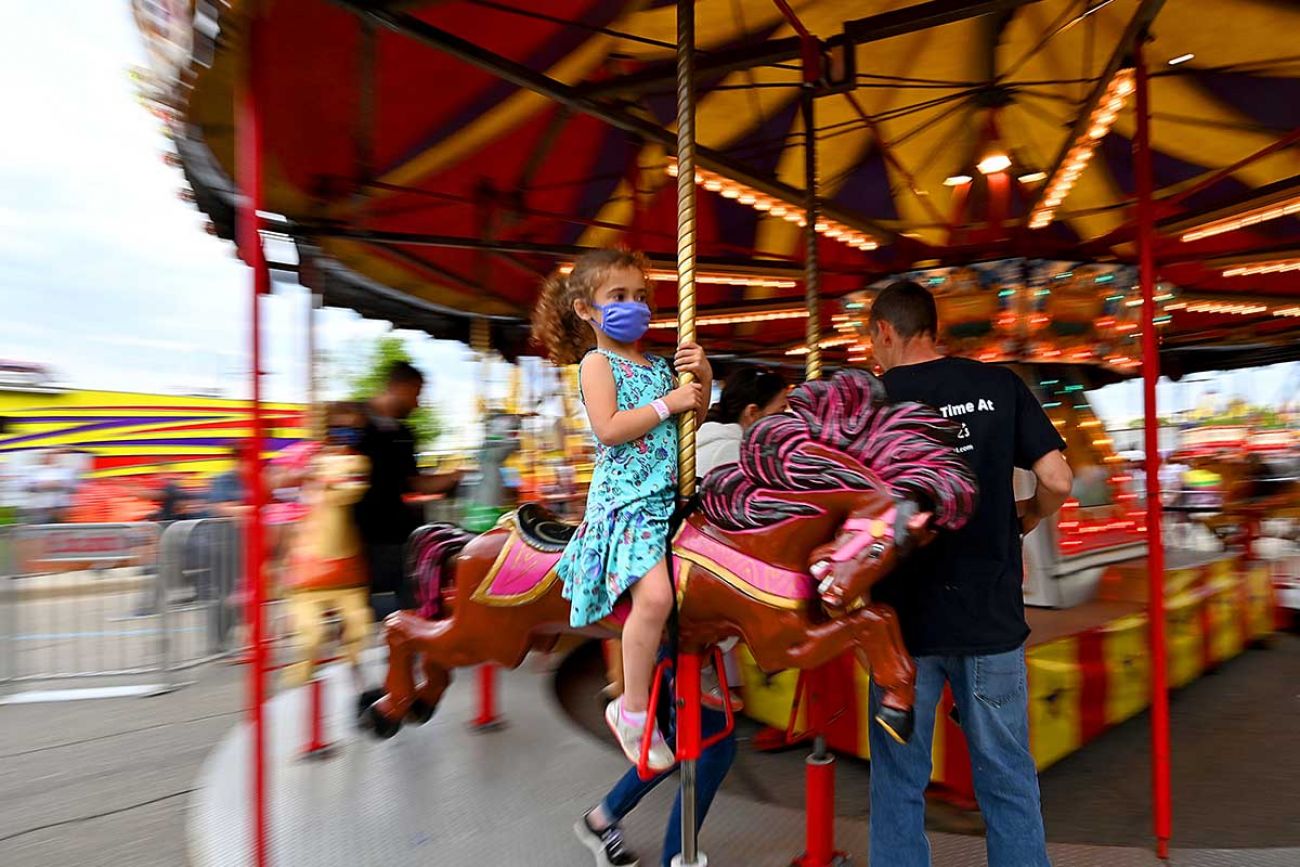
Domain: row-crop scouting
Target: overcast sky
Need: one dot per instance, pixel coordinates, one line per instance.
(107, 276)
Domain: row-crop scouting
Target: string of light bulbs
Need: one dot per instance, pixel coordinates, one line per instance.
(788, 211)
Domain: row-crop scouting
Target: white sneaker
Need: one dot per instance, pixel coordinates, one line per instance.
(628, 736)
(711, 692)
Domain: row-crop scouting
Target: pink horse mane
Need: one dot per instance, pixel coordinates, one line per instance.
(908, 447)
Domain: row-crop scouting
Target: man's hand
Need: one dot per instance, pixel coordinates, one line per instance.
(437, 483)
(1053, 480)
(1027, 511)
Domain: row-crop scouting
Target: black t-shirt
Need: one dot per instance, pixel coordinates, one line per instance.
(382, 516)
(962, 594)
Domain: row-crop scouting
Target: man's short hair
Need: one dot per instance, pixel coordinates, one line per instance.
(404, 373)
(909, 307)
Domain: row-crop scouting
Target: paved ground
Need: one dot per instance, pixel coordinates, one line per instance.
(106, 782)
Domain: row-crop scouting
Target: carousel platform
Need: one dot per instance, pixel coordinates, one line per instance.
(442, 795)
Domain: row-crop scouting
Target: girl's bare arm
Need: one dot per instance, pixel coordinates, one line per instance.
(613, 426)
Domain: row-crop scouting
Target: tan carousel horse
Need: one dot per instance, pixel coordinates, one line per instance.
(832, 491)
(327, 578)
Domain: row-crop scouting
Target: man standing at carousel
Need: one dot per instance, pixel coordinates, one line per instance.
(959, 599)
(383, 516)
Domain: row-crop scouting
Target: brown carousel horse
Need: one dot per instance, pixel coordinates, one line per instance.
(835, 490)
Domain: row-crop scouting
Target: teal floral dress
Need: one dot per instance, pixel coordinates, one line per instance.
(625, 530)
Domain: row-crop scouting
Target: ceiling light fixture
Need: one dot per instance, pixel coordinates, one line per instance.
(1285, 208)
(957, 180)
(1276, 266)
(737, 318)
(994, 163)
(794, 213)
(1182, 58)
(828, 343)
(1033, 177)
(713, 278)
(1076, 159)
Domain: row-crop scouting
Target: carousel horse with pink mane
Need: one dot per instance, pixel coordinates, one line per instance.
(781, 553)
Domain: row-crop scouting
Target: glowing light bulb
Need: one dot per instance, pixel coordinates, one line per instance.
(993, 163)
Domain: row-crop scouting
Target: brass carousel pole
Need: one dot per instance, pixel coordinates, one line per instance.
(687, 679)
(812, 276)
(686, 224)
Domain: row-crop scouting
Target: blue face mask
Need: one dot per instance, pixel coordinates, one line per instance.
(624, 321)
(344, 436)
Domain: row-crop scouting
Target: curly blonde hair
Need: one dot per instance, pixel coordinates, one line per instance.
(556, 327)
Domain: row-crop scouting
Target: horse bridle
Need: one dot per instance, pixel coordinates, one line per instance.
(875, 535)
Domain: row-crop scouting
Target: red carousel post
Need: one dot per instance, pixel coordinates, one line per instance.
(1160, 789)
(317, 746)
(248, 132)
(689, 747)
(487, 719)
(819, 779)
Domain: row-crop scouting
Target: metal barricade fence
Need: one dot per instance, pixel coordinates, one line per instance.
(123, 604)
(200, 565)
(70, 594)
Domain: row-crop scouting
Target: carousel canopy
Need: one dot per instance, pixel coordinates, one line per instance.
(437, 159)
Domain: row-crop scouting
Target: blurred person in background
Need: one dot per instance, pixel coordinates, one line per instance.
(173, 500)
(51, 488)
(226, 497)
(171, 504)
(748, 395)
(383, 516)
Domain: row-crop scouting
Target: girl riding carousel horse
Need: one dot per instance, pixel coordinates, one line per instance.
(631, 399)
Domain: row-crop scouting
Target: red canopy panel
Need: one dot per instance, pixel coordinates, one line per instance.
(378, 136)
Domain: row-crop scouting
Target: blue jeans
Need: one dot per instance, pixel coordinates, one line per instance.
(992, 701)
(711, 769)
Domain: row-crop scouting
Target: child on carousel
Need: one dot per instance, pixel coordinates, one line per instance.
(630, 397)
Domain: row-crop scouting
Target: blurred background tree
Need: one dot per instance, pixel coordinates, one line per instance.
(370, 380)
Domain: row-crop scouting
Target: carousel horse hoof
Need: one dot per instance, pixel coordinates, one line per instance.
(899, 723)
(365, 700)
(420, 712)
(382, 727)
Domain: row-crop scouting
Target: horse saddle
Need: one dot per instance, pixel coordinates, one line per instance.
(542, 529)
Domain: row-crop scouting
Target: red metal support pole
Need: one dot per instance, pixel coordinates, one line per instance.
(487, 719)
(819, 778)
(248, 131)
(689, 747)
(317, 746)
(1160, 790)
